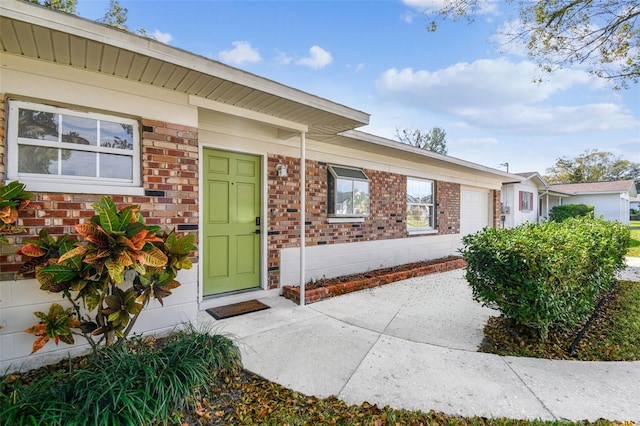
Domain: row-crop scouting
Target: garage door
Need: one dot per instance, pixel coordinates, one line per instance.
(474, 210)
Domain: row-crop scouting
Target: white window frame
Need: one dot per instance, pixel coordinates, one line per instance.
(431, 206)
(356, 175)
(67, 183)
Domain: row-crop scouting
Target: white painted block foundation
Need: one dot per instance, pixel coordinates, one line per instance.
(19, 299)
(334, 260)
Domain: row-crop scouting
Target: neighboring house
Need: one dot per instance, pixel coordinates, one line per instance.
(87, 110)
(528, 200)
(611, 200)
(531, 199)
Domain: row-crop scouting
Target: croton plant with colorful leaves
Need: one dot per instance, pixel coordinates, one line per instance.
(108, 277)
(13, 197)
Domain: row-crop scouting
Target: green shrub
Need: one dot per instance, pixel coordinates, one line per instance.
(548, 275)
(141, 382)
(564, 212)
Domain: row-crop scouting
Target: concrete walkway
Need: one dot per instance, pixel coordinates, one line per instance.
(412, 345)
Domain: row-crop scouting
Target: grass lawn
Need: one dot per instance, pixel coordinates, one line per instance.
(634, 245)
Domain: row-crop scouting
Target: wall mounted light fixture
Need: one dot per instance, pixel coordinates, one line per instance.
(282, 170)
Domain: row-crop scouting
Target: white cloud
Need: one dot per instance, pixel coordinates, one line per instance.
(500, 95)
(477, 141)
(356, 68)
(162, 37)
(554, 119)
(632, 146)
(318, 58)
(483, 83)
(508, 40)
(407, 17)
(283, 59)
(242, 52)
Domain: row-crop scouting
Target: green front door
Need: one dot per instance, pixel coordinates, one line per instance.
(231, 221)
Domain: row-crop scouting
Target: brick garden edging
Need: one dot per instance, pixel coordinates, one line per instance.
(321, 293)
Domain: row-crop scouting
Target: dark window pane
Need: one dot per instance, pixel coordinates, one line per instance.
(116, 135)
(348, 173)
(83, 131)
(38, 125)
(116, 166)
(37, 159)
(78, 163)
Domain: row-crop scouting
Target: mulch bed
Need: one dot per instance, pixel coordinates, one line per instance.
(331, 287)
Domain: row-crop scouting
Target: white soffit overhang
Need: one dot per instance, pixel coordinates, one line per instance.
(37, 32)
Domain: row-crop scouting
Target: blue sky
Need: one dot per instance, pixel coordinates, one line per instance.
(377, 57)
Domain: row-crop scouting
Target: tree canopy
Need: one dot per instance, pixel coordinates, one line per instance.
(433, 140)
(68, 6)
(603, 36)
(115, 16)
(592, 166)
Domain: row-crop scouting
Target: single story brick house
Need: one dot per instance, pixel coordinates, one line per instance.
(530, 199)
(87, 110)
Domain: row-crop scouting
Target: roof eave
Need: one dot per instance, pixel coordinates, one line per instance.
(399, 146)
(100, 33)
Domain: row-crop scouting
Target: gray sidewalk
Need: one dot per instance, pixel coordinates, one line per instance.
(412, 345)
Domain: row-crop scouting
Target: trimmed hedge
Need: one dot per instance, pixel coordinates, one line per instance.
(564, 212)
(546, 275)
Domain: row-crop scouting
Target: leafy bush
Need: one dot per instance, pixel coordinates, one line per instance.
(547, 275)
(564, 212)
(142, 383)
(13, 197)
(113, 274)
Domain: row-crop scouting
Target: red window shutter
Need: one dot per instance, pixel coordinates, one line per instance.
(520, 194)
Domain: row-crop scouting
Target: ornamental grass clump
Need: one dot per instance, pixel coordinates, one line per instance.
(548, 275)
(141, 382)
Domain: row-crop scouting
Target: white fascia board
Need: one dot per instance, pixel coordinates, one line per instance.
(378, 140)
(280, 123)
(82, 27)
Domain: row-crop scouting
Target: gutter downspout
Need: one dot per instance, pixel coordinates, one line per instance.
(303, 183)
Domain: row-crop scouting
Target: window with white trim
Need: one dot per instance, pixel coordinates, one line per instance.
(420, 208)
(526, 201)
(58, 146)
(348, 191)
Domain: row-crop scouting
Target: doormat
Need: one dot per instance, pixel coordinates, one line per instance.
(228, 311)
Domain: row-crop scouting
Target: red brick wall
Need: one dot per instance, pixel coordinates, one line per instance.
(386, 219)
(496, 208)
(170, 170)
(448, 207)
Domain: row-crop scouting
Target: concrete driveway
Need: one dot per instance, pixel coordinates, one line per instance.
(412, 344)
